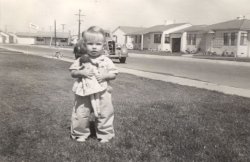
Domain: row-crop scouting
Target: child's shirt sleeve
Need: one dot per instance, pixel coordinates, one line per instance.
(111, 66)
(75, 65)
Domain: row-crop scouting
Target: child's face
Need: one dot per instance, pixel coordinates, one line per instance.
(94, 45)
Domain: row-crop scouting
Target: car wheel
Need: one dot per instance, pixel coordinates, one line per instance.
(122, 60)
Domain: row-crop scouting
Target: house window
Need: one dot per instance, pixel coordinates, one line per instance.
(39, 39)
(226, 39)
(191, 39)
(233, 39)
(137, 39)
(107, 34)
(63, 40)
(157, 38)
(230, 39)
(167, 38)
(243, 39)
(194, 39)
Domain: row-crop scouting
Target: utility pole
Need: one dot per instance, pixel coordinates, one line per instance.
(55, 32)
(63, 27)
(79, 24)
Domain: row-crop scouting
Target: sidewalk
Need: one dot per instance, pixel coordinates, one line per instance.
(178, 80)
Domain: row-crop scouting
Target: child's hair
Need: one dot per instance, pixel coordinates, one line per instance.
(94, 33)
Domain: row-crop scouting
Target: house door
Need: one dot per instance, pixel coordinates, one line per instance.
(4, 40)
(176, 44)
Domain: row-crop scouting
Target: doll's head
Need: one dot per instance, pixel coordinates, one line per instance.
(84, 59)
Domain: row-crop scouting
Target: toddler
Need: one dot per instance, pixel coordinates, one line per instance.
(103, 70)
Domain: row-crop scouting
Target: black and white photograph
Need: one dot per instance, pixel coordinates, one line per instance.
(124, 81)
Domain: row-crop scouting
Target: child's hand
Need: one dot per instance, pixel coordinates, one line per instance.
(100, 77)
(105, 77)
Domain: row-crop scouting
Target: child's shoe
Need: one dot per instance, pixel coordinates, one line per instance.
(80, 139)
(104, 140)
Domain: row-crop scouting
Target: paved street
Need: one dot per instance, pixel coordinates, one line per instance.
(212, 71)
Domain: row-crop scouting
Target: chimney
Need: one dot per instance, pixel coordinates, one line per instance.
(168, 22)
(240, 17)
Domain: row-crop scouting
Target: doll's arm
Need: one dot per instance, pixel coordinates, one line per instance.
(81, 73)
(105, 76)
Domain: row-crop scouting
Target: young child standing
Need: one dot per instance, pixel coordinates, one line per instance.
(94, 39)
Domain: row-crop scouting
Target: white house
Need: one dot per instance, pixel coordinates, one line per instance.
(25, 38)
(12, 38)
(229, 38)
(158, 37)
(43, 38)
(119, 35)
(192, 38)
(4, 38)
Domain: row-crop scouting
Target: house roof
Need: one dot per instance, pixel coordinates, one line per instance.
(3, 34)
(194, 28)
(129, 29)
(238, 24)
(157, 28)
(43, 34)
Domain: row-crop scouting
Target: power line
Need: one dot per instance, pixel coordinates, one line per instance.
(79, 23)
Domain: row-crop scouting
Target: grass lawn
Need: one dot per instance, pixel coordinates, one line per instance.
(154, 121)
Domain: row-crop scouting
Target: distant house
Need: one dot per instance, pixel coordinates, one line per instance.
(119, 35)
(4, 37)
(158, 37)
(193, 38)
(229, 38)
(12, 38)
(43, 38)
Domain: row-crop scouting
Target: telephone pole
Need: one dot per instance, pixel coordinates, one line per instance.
(79, 23)
(55, 31)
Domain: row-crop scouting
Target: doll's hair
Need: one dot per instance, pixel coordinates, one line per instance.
(94, 33)
(85, 59)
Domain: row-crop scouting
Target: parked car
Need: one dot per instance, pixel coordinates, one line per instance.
(116, 51)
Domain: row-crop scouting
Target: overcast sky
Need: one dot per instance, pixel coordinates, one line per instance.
(15, 15)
